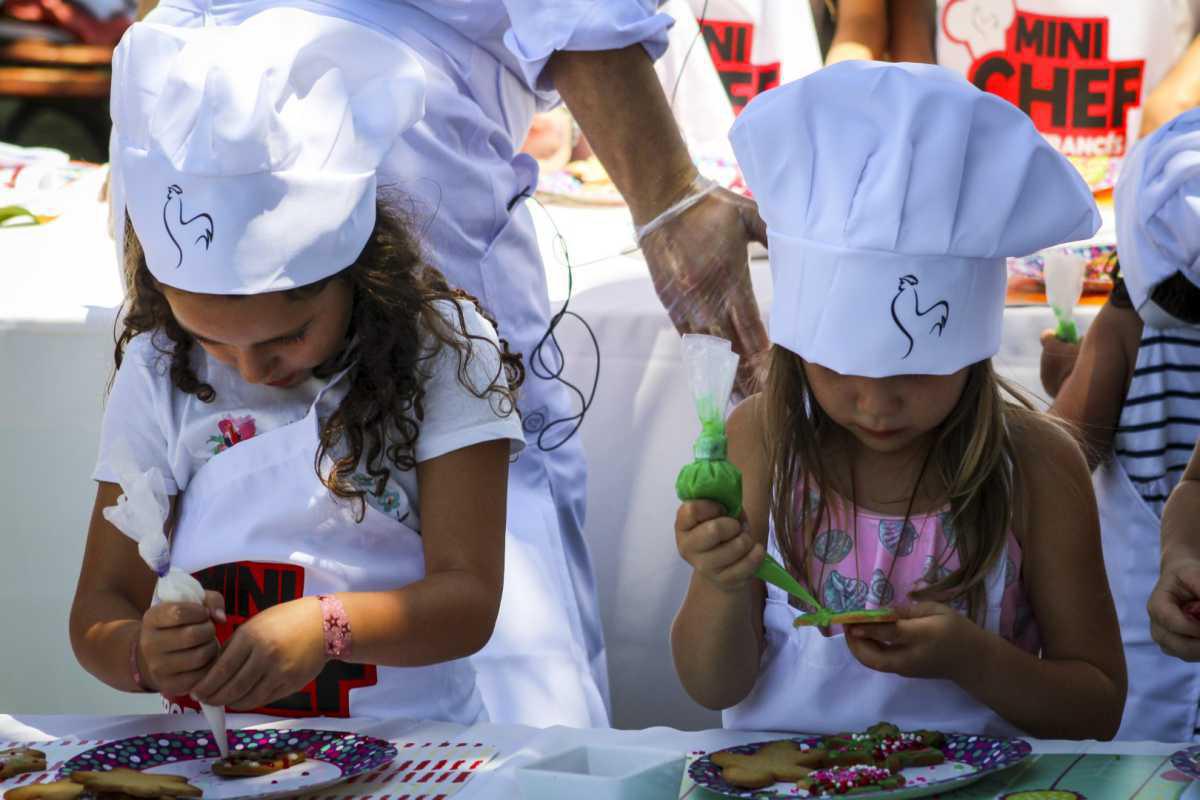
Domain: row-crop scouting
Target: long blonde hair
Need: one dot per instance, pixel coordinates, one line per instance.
(973, 455)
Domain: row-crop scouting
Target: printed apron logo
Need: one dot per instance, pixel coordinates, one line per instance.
(250, 588)
(908, 315)
(192, 231)
(730, 45)
(1056, 69)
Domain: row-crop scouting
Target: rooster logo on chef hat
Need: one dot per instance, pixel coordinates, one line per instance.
(192, 231)
(906, 311)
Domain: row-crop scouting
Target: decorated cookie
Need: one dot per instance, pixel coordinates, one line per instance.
(136, 784)
(19, 760)
(777, 761)
(249, 763)
(861, 617)
(54, 790)
(851, 780)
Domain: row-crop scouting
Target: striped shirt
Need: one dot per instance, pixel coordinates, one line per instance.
(1160, 421)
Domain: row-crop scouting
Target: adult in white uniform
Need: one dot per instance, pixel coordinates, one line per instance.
(490, 65)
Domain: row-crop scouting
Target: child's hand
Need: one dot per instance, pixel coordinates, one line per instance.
(930, 640)
(1058, 359)
(178, 643)
(274, 654)
(1172, 623)
(718, 547)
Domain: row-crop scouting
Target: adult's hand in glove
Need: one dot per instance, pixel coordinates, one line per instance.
(700, 268)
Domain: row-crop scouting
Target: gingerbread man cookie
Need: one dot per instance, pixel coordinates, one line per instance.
(136, 784)
(777, 761)
(19, 760)
(249, 763)
(51, 790)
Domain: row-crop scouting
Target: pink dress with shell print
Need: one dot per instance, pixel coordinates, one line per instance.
(871, 560)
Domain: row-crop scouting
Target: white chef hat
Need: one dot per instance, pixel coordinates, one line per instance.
(1158, 211)
(248, 152)
(893, 194)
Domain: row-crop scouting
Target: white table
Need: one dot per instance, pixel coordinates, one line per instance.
(515, 745)
(56, 324)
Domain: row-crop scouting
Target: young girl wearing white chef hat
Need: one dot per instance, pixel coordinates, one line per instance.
(333, 421)
(883, 463)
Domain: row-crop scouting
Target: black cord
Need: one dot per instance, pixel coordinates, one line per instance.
(552, 370)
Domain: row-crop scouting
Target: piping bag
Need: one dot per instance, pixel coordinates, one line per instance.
(1063, 275)
(712, 366)
(140, 513)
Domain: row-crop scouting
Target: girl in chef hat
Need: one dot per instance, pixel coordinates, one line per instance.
(332, 422)
(883, 463)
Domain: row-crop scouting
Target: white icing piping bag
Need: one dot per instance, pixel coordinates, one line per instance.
(1063, 275)
(140, 513)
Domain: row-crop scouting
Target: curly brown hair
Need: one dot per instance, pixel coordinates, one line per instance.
(396, 330)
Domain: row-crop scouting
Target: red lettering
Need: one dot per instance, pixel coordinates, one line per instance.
(730, 45)
(1056, 69)
(250, 588)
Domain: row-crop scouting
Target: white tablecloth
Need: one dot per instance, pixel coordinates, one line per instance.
(56, 323)
(515, 745)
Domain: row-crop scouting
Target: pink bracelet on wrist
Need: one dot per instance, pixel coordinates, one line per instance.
(336, 626)
(133, 666)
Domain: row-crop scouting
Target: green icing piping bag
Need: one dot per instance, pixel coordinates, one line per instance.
(712, 365)
(1063, 273)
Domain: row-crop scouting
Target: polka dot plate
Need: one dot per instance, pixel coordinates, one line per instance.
(331, 757)
(1188, 762)
(968, 758)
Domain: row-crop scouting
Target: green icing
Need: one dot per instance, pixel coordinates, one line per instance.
(712, 479)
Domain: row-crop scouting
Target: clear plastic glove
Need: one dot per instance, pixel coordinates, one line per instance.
(700, 268)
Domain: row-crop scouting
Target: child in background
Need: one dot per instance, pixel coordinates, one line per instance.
(882, 453)
(1133, 394)
(333, 422)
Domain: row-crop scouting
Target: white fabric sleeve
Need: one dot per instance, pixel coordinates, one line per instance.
(134, 416)
(454, 417)
(540, 27)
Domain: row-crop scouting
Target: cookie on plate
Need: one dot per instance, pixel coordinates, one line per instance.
(19, 760)
(51, 790)
(251, 763)
(855, 779)
(777, 761)
(136, 784)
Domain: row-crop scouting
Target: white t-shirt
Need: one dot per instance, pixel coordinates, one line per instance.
(1081, 68)
(176, 432)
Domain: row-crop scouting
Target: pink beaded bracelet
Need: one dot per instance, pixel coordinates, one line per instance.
(336, 626)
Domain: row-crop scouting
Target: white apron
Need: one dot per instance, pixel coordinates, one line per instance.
(461, 177)
(1164, 692)
(257, 525)
(812, 683)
